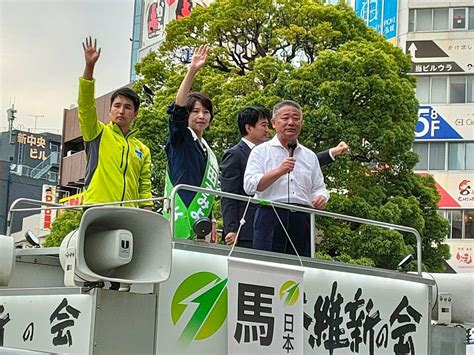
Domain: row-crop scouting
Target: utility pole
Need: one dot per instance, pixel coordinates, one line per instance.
(36, 117)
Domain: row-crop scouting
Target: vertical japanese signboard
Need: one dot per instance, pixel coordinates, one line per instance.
(48, 215)
(381, 15)
(265, 308)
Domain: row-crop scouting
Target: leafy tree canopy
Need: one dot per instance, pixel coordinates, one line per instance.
(65, 223)
(353, 86)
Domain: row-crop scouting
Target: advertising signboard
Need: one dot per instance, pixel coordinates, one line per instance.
(441, 56)
(456, 189)
(381, 15)
(48, 215)
(342, 311)
(157, 14)
(462, 255)
(445, 122)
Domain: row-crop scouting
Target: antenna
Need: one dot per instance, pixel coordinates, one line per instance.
(11, 115)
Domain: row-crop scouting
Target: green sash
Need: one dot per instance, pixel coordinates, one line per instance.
(201, 205)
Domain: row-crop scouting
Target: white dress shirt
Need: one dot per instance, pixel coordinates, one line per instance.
(249, 143)
(306, 179)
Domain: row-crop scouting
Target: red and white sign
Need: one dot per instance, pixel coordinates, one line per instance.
(47, 215)
(456, 189)
(462, 255)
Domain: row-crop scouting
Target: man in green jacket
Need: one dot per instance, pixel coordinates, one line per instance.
(118, 164)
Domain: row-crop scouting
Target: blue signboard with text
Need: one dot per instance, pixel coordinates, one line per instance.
(431, 125)
(381, 15)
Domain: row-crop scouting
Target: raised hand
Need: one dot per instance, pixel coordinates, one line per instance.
(197, 62)
(91, 53)
(341, 148)
(199, 58)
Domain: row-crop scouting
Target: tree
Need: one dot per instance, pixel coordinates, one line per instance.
(352, 84)
(65, 223)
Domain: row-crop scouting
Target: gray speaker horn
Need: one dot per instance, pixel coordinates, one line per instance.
(118, 244)
(7, 259)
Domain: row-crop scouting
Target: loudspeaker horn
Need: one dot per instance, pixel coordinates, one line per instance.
(7, 259)
(118, 244)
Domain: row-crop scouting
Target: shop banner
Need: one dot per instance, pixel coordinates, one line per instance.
(462, 255)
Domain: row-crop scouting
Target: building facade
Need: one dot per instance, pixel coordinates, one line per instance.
(439, 37)
(29, 165)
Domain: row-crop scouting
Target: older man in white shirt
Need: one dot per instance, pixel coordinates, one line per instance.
(279, 171)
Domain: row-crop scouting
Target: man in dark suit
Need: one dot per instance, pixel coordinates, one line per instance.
(253, 124)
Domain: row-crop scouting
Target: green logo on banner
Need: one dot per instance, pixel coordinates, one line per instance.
(290, 292)
(205, 294)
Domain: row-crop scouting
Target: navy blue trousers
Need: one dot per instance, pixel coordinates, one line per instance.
(269, 235)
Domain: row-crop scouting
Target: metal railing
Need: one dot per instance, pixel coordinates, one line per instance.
(57, 206)
(311, 211)
(39, 170)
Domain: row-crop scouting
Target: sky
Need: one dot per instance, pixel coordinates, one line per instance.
(41, 55)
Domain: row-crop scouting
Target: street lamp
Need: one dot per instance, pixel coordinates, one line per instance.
(36, 117)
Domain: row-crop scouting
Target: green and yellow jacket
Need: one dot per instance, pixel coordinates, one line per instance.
(118, 166)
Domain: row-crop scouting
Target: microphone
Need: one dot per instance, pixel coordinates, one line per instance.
(291, 148)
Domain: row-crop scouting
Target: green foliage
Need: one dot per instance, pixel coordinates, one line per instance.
(65, 223)
(353, 86)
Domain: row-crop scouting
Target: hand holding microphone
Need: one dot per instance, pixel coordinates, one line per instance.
(289, 163)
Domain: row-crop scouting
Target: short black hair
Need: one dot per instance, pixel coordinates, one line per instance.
(250, 115)
(129, 94)
(202, 98)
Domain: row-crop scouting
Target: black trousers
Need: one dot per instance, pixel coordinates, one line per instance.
(244, 244)
(269, 235)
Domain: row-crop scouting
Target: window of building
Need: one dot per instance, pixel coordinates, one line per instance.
(440, 89)
(470, 156)
(423, 89)
(459, 19)
(471, 18)
(422, 150)
(470, 88)
(469, 224)
(456, 224)
(424, 20)
(457, 89)
(437, 156)
(411, 21)
(456, 157)
(432, 155)
(461, 223)
(439, 19)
